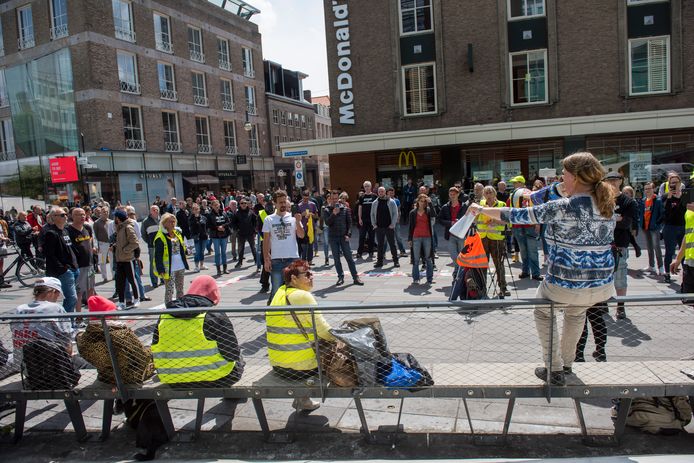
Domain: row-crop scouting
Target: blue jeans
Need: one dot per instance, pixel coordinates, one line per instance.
(138, 281)
(208, 245)
(276, 277)
(259, 251)
(341, 244)
(152, 277)
(199, 250)
(528, 244)
(398, 238)
(672, 235)
(220, 251)
(455, 245)
(419, 245)
(67, 282)
(326, 241)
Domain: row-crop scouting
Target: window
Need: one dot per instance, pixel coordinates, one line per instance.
(25, 24)
(172, 142)
(250, 101)
(525, 8)
(132, 128)
(649, 65)
(123, 20)
(253, 147)
(283, 117)
(2, 41)
(4, 99)
(638, 2)
(296, 120)
(6, 140)
(529, 77)
(275, 116)
(127, 73)
(277, 144)
(199, 89)
(420, 89)
(162, 33)
(58, 19)
(223, 54)
(415, 16)
(167, 82)
(202, 135)
(303, 121)
(195, 44)
(290, 120)
(247, 57)
(227, 95)
(230, 137)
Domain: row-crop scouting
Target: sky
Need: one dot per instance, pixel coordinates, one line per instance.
(294, 35)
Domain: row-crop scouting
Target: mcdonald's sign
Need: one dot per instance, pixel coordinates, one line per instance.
(407, 158)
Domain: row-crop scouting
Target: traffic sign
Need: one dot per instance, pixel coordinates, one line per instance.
(299, 178)
(298, 165)
(289, 154)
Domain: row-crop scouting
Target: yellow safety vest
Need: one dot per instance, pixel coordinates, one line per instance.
(287, 347)
(183, 353)
(262, 214)
(486, 229)
(161, 236)
(689, 238)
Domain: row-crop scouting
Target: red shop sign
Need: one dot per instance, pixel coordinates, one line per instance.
(63, 170)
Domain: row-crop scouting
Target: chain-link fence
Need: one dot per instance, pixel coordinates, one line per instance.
(438, 349)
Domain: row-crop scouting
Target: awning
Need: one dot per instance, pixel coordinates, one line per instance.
(202, 179)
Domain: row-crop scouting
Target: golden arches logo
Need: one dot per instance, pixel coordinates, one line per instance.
(407, 158)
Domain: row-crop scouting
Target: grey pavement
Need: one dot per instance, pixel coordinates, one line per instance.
(485, 338)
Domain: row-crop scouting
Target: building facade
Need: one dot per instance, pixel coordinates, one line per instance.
(160, 98)
(321, 105)
(436, 91)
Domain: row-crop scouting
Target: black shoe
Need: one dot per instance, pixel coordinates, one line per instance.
(327, 262)
(238, 264)
(358, 282)
(506, 292)
(340, 281)
(264, 289)
(666, 278)
(638, 252)
(621, 313)
(556, 378)
(219, 271)
(396, 264)
(538, 278)
(378, 265)
(568, 371)
(225, 269)
(371, 256)
(5, 285)
(523, 275)
(145, 299)
(600, 356)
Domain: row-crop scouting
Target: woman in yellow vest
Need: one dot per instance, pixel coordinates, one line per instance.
(493, 239)
(291, 334)
(686, 254)
(197, 349)
(170, 261)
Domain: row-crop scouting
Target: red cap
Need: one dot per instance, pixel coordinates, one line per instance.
(205, 286)
(100, 304)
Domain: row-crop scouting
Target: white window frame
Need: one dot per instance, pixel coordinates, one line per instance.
(253, 141)
(510, 77)
(290, 119)
(195, 55)
(7, 147)
(134, 144)
(276, 116)
(252, 102)
(199, 100)
(203, 148)
(125, 86)
(121, 32)
(233, 148)
(172, 146)
(160, 42)
(26, 33)
(4, 98)
(303, 121)
(2, 41)
(247, 59)
(431, 12)
(667, 58)
(640, 2)
(404, 90)
(58, 31)
(227, 98)
(223, 62)
(283, 117)
(168, 93)
(277, 145)
(526, 16)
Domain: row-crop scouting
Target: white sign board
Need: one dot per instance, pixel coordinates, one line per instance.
(387, 182)
(548, 172)
(640, 167)
(299, 178)
(298, 164)
(480, 175)
(429, 180)
(509, 169)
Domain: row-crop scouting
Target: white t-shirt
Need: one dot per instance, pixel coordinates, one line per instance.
(282, 230)
(52, 329)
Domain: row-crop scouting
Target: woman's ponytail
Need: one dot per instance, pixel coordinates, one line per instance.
(605, 197)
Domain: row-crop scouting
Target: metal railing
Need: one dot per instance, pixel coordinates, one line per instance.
(124, 33)
(228, 105)
(8, 156)
(58, 32)
(199, 100)
(225, 65)
(130, 87)
(204, 149)
(172, 147)
(26, 42)
(251, 109)
(167, 94)
(254, 151)
(135, 145)
(163, 45)
(249, 72)
(231, 150)
(197, 56)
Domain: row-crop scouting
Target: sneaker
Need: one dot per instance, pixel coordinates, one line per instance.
(648, 270)
(378, 265)
(556, 378)
(403, 254)
(666, 278)
(305, 405)
(327, 261)
(264, 289)
(506, 292)
(538, 278)
(135, 303)
(661, 270)
(203, 267)
(196, 270)
(120, 306)
(523, 275)
(396, 264)
(145, 299)
(638, 252)
(415, 282)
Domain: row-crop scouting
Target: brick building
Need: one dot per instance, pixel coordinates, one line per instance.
(433, 90)
(321, 105)
(161, 97)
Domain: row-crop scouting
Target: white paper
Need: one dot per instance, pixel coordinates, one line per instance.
(462, 226)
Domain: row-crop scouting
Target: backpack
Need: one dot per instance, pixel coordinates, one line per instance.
(660, 415)
(48, 366)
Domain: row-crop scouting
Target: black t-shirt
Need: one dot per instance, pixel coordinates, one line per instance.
(365, 202)
(626, 207)
(674, 212)
(81, 244)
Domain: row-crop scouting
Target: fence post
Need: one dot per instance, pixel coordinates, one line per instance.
(122, 392)
(316, 339)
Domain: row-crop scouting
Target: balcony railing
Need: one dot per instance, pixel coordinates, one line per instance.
(163, 45)
(224, 65)
(254, 151)
(252, 109)
(249, 73)
(4, 101)
(197, 56)
(231, 150)
(58, 32)
(200, 100)
(124, 33)
(228, 105)
(130, 87)
(8, 156)
(173, 147)
(167, 94)
(204, 149)
(26, 42)
(135, 145)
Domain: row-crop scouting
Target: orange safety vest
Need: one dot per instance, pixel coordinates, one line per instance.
(473, 254)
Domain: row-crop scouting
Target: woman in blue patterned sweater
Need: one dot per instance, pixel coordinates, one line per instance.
(580, 228)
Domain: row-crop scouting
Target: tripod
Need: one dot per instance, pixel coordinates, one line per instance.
(493, 288)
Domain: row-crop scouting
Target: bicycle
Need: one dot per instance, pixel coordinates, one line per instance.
(29, 269)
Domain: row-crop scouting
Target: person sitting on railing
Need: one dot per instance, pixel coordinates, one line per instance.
(580, 268)
(197, 349)
(290, 335)
(134, 359)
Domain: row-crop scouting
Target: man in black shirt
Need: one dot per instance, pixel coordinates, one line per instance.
(81, 235)
(366, 229)
(60, 258)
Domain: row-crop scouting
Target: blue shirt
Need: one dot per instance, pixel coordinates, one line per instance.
(578, 237)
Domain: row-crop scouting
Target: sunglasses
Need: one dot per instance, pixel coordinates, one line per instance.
(61, 215)
(308, 274)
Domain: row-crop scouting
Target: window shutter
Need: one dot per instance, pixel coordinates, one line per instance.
(657, 65)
